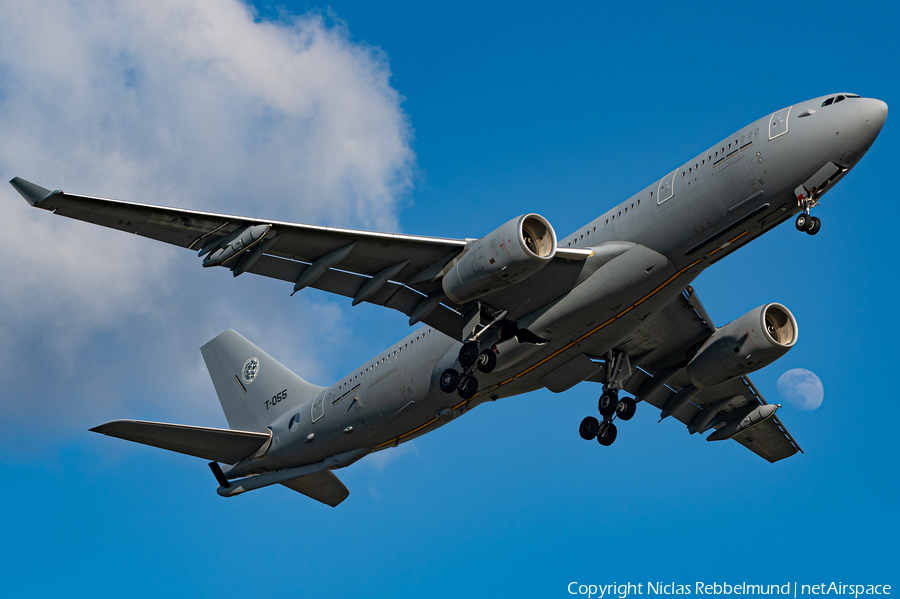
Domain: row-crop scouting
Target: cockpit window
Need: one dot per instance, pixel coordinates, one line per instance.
(839, 99)
(828, 102)
(852, 96)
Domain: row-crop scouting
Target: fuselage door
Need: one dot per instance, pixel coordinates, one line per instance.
(778, 123)
(318, 406)
(666, 189)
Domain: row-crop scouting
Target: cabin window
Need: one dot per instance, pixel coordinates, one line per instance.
(607, 222)
(639, 202)
(594, 229)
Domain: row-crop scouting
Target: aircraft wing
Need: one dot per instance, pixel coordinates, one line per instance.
(664, 345)
(769, 439)
(397, 271)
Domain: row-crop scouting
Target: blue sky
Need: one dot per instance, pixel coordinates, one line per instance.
(441, 120)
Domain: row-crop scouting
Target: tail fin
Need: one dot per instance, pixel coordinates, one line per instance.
(253, 388)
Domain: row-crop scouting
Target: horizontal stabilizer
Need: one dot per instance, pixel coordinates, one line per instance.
(217, 444)
(769, 439)
(321, 486)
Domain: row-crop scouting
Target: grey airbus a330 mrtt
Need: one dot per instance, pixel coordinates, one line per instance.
(513, 311)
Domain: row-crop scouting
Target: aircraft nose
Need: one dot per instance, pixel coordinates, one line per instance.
(874, 112)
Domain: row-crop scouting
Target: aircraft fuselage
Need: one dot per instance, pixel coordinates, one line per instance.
(671, 231)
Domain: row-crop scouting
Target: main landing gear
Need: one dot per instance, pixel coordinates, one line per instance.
(471, 358)
(618, 370)
(611, 408)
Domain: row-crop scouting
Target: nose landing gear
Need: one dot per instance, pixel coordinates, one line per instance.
(808, 200)
(810, 224)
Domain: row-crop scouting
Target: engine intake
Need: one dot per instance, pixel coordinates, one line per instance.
(507, 256)
(745, 345)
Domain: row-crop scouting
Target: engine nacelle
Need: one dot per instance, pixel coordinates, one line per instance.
(742, 346)
(509, 255)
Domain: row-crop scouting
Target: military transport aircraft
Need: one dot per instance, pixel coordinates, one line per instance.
(513, 311)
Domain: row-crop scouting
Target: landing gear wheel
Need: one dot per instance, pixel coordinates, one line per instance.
(589, 428)
(449, 381)
(468, 387)
(607, 403)
(802, 222)
(626, 408)
(607, 434)
(815, 225)
(468, 354)
(487, 360)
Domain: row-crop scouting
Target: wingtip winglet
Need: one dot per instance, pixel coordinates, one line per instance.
(32, 193)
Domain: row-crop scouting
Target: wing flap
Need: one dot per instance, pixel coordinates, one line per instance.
(323, 486)
(216, 444)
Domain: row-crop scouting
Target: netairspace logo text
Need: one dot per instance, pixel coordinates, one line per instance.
(791, 589)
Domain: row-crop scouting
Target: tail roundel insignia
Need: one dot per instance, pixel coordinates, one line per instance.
(250, 370)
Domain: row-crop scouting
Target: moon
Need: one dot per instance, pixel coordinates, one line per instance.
(801, 389)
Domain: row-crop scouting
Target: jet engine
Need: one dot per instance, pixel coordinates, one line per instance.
(754, 340)
(508, 255)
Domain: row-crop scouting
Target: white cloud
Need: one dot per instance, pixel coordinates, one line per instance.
(185, 103)
(801, 389)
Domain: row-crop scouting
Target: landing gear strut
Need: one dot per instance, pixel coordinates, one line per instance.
(618, 370)
(809, 224)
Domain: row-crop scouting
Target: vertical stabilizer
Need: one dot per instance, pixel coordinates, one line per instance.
(253, 387)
